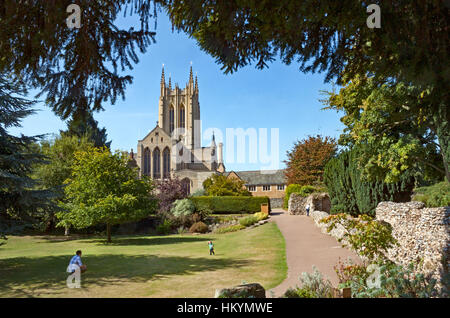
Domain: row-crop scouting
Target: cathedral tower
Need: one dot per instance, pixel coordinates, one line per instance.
(179, 111)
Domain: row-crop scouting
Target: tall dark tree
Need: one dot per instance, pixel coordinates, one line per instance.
(76, 69)
(351, 193)
(18, 198)
(87, 126)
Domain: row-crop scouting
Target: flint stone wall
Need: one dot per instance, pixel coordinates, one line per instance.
(317, 202)
(423, 235)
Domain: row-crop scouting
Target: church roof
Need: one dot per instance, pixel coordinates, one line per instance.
(261, 177)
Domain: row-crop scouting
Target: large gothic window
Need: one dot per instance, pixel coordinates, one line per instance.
(171, 119)
(166, 163)
(182, 117)
(147, 158)
(156, 164)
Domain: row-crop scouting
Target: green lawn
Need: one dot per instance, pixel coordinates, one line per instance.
(143, 266)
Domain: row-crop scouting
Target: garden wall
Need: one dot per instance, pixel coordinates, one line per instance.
(317, 202)
(423, 235)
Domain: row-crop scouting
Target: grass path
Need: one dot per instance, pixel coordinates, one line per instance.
(143, 266)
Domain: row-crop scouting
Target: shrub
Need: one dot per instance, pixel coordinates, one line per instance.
(199, 227)
(315, 284)
(165, 227)
(199, 193)
(299, 293)
(203, 210)
(248, 220)
(396, 281)
(260, 216)
(436, 195)
(304, 191)
(365, 235)
(183, 207)
(231, 228)
(181, 230)
(169, 190)
(230, 204)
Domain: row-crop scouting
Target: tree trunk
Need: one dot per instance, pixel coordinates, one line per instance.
(108, 232)
(442, 125)
(66, 231)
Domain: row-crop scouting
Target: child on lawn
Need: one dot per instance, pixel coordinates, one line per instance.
(211, 248)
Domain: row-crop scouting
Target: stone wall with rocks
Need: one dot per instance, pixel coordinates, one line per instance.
(276, 203)
(423, 235)
(317, 202)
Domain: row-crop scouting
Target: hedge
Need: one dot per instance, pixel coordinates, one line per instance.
(350, 193)
(231, 204)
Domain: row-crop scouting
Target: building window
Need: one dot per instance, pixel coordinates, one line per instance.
(166, 163)
(156, 164)
(266, 187)
(280, 187)
(171, 119)
(182, 117)
(186, 184)
(251, 188)
(146, 170)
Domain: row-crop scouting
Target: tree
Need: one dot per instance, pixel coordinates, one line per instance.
(332, 36)
(86, 125)
(52, 174)
(168, 191)
(19, 201)
(75, 69)
(392, 125)
(351, 193)
(103, 189)
(219, 185)
(307, 160)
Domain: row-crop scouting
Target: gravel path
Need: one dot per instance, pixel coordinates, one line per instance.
(306, 246)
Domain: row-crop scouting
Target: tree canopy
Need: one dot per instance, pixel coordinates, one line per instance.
(103, 189)
(86, 126)
(76, 69)
(220, 185)
(307, 160)
(411, 46)
(392, 125)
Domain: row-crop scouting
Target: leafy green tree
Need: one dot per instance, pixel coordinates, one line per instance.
(219, 185)
(86, 126)
(393, 127)
(52, 174)
(103, 189)
(19, 200)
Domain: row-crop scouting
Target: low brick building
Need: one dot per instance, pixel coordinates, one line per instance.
(271, 183)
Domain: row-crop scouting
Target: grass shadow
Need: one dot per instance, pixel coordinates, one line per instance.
(154, 240)
(28, 277)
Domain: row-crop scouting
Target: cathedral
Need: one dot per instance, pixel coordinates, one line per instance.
(173, 148)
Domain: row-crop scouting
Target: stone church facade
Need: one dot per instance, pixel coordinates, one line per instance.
(173, 148)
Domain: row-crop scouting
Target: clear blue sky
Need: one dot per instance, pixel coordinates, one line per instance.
(278, 97)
